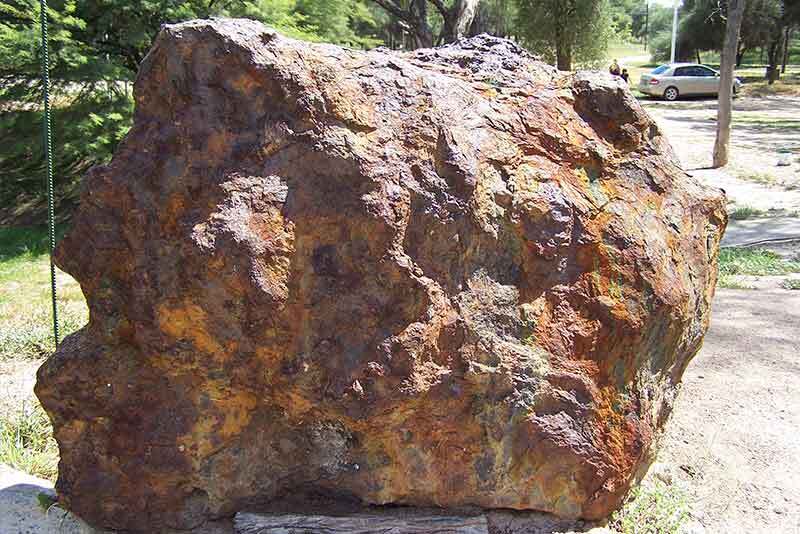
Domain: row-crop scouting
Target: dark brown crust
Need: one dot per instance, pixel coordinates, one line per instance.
(447, 277)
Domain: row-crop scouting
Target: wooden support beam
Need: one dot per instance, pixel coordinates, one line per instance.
(360, 523)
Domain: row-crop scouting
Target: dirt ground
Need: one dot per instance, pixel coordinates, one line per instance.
(16, 381)
(766, 132)
(733, 439)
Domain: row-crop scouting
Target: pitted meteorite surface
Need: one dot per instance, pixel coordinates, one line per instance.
(446, 277)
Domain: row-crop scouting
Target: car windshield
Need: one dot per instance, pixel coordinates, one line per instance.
(660, 70)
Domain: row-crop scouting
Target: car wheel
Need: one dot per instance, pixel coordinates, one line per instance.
(671, 94)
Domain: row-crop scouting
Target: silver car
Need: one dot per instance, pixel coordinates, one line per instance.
(682, 79)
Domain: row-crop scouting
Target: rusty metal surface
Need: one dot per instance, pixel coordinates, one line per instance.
(447, 277)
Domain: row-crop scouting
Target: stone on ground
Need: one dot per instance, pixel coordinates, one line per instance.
(447, 277)
(22, 511)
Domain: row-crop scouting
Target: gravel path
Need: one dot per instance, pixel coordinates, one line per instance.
(750, 231)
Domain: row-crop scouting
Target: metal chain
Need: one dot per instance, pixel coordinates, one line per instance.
(48, 147)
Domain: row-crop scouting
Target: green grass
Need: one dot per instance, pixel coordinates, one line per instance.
(764, 178)
(26, 441)
(621, 50)
(731, 282)
(25, 309)
(22, 241)
(754, 262)
(635, 68)
(754, 56)
(791, 283)
(739, 261)
(655, 509)
(752, 72)
(766, 122)
(745, 212)
(26, 335)
(756, 85)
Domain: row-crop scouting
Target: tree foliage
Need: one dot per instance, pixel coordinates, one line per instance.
(702, 27)
(565, 30)
(95, 50)
(622, 14)
(758, 25)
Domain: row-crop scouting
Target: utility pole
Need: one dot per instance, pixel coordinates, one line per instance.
(646, 22)
(674, 31)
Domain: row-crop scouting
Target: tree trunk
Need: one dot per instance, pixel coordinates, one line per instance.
(457, 21)
(423, 35)
(413, 18)
(787, 37)
(739, 56)
(725, 102)
(564, 56)
(773, 52)
(774, 55)
(563, 48)
(464, 12)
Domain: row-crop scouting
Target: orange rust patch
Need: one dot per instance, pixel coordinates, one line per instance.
(188, 321)
(464, 278)
(624, 440)
(226, 413)
(172, 212)
(244, 83)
